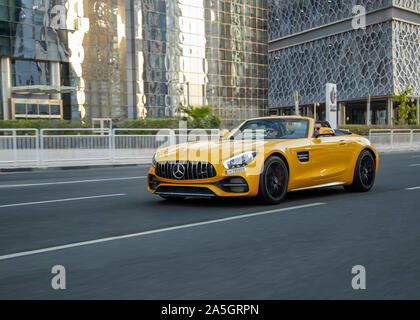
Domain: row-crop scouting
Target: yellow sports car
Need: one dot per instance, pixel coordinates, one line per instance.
(265, 158)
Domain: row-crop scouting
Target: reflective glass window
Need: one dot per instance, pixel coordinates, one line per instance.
(55, 109)
(32, 108)
(20, 108)
(43, 109)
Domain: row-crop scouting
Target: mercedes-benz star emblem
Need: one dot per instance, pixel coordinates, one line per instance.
(178, 171)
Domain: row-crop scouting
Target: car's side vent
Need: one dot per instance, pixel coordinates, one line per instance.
(303, 156)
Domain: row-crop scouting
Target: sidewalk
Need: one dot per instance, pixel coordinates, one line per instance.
(27, 160)
(67, 165)
(398, 150)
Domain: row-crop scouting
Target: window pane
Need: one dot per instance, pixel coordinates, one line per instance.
(32, 109)
(43, 109)
(55, 109)
(20, 108)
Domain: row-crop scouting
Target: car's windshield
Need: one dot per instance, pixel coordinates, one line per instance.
(272, 129)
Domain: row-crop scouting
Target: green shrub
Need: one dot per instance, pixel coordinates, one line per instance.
(43, 124)
(209, 122)
(157, 123)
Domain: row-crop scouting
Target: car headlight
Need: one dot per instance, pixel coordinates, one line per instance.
(154, 161)
(240, 160)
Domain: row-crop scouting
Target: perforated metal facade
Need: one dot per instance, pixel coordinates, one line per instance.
(290, 16)
(312, 43)
(406, 55)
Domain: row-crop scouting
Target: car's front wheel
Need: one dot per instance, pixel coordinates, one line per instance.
(364, 173)
(274, 181)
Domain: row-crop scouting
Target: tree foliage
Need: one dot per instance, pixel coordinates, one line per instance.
(198, 112)
(201, 117)
(406, 110)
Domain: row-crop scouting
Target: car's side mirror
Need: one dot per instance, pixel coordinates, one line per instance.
(224, 133)
(324, 131)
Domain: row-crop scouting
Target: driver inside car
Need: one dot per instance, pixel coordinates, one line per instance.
(275, 132)
(272, 133)
(318, 125)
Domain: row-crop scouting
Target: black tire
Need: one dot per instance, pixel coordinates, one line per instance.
(274, 181)
(364, 173)
(172, 198)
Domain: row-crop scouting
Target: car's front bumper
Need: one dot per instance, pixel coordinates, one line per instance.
(239, 184)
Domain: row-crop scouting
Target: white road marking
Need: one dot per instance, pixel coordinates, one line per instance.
(61, 200)
(414, 165)
(132, 235)
(67, 182)
(413, 188)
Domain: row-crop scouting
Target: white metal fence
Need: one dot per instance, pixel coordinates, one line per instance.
(54, 147)
(48, 147)
(19, 145)
(395, 139)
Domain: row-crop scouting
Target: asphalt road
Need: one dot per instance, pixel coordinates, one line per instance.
(117, 241)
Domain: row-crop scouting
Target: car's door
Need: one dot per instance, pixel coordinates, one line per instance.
(300, 163)
(331, 156)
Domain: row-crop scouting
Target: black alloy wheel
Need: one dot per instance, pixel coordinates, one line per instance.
(274, 181)
(364, 173)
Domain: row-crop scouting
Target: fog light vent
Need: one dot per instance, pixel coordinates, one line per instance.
(234, 185)
(153, 182)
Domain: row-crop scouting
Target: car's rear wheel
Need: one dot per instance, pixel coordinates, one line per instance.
(364, 173)
(274, 181)
(172, 198)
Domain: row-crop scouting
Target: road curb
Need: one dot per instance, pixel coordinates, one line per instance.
(96, 166)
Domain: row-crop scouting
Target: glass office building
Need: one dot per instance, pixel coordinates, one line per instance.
(125, 59)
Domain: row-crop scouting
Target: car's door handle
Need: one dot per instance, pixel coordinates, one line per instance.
(342, 142)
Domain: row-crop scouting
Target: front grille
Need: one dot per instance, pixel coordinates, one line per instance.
(185, 170)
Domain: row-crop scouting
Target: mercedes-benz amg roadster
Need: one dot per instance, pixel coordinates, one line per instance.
(265, 158)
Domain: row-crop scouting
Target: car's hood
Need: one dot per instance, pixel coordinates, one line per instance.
(213, 151)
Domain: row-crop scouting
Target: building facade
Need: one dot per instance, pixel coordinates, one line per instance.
(367, 47)
(130, 59)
